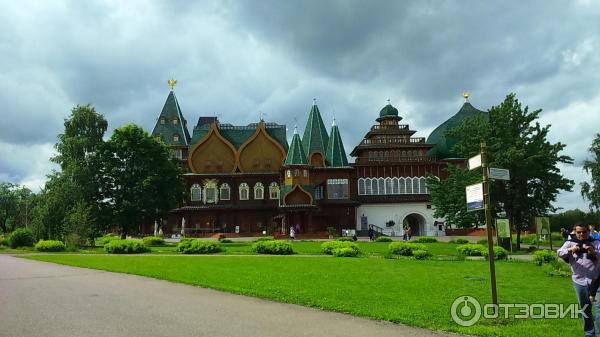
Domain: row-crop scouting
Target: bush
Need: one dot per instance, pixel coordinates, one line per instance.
(499, 253)
(184, 243)
(20, 237)
(345, 252)
(531, 249)
(50, 246)
(544, 256)
(460, 241)
(557, 268)
(201, 247)
(125, 247)
(383, 239)
(152, 241)
(405, 248)
(557, 237)
(420, 254)
(344, 238)
(276, 247)
(226, 241)
(3, 241)
(482, 242)
(426, 239)
(265, 238)
(106, 239)
(329, 246)
(471, 249)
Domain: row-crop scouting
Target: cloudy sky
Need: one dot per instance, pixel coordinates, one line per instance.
(240, 58)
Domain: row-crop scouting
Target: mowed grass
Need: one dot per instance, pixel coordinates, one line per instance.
(417, 293)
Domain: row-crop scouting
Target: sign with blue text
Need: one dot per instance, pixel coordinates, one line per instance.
(474, 197)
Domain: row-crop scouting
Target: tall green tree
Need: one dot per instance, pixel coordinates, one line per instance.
(140, 181)
(15, 204)
(516, 141)
(448, 197)
(591, 190)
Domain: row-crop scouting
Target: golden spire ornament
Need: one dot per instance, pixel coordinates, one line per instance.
(466, 95)
(171, 83)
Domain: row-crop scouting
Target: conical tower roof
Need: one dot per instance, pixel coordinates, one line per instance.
(174, 123)
(315, 135)
(444, 144)
(295, 154)
(336, 155)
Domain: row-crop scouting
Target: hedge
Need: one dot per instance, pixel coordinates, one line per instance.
(383, 239)
(471, 249)
(459, 241)
(405, 248)
(345, 252)
(275, 247)
(125, 247)
(426, 239)
(200, 247)
(265, 238)
(499, 253)
(541, 257)
(420, 254)
(50, 246)
(329, 246)
(151, 241)
(106, 239)
(20, 237)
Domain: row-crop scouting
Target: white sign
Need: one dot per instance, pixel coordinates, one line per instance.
(475, 162)
(499, 174)
(474, 197)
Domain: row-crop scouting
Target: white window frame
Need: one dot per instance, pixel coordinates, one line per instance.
(259, 191)
(244, 188)
(274, 191)
(198, 192)
(225, 187)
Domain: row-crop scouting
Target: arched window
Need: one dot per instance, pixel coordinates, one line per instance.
(288, 173)
(162, 120)
(175, 137)
(225, 192)
(409, 185)
(259, 191)
(175, 121)
(296, 173)
(361, 186)
(375, 186)
(210, 192)
(244, 191)
(368, 187)
(403, 154)
(415, 183)
(196, 193)
(381, 183)
(274, 191)
(402, 185)
(423, 185)
(305, 173)
(388, 185)
(395, 183)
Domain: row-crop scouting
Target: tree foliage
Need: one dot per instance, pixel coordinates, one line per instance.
(591, 190)
(15, 205)
(516, 141)
(139, 180)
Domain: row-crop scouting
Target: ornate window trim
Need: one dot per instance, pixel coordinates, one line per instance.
(244, 191)
(196, 193)
(259, 191)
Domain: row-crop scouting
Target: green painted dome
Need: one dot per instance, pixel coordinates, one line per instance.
(443, 144)
(388, 110)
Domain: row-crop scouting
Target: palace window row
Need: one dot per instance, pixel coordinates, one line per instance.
(395, 185)
(208, 193)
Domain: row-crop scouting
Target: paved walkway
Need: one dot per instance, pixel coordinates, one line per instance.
(44, 299)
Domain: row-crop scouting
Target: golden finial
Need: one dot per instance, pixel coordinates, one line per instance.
(171, 83)
(466, 95)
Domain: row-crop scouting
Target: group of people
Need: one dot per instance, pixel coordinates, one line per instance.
(581, 250)
(406, 236)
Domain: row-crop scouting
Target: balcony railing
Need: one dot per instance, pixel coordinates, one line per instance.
(393, 140)
(390, 127)
(388, 159)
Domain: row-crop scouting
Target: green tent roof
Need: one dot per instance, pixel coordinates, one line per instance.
(315, 135)
(443, 144)
(388, 110)
(295, 155)
(336, 155)
(171, 111)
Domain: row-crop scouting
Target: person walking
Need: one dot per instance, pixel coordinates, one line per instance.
(292, 233)
(581, 253)
(371, 234)
(408, 233)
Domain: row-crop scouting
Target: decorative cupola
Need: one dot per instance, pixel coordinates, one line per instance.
(388, 115)
(171, 126)
(444, 144)
(315, 137)
(336, 155)
(296, 186)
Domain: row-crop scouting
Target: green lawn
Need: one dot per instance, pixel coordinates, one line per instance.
(417, 293)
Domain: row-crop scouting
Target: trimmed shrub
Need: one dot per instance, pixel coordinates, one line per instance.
(426, 239)
(226, 241)
(152, 241)
(106, 239)
(460, 241)
(201, 247)
(345, 252)
(482, 242)
(544, 256)
(265, 238)
(405, 248)
(383, 239)
(499, 253)
(125, 247)
(471, 249)
(557, 268)
(329, 246)
(275, 247)
(420, 254)
(50, 246)
(184, 243)
(344, 238)
(20, 237)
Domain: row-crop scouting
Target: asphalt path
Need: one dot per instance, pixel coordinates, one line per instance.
(48, 300)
